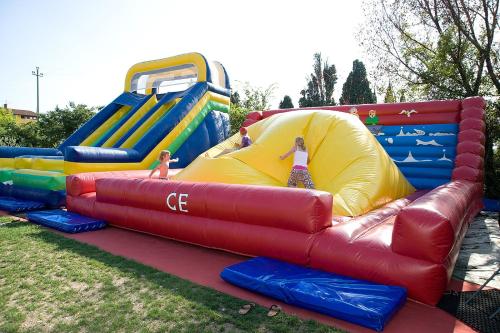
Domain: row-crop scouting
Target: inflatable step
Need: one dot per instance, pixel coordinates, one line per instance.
(45, 180)
(356, 301)
(6, 174)
(15, 205)
(65, 221)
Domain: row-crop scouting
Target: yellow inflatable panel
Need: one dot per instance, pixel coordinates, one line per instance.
(23, 162)
(346, 160)
(47, 164)
(7, 163)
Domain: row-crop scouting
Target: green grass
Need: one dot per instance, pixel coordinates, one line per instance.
(52, 283)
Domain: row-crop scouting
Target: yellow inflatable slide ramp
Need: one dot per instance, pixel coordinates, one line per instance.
(345, 160)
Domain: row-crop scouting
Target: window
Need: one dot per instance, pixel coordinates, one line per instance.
(176, 78)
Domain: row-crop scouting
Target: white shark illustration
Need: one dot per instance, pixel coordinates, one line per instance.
(441, 134)
(428, 143)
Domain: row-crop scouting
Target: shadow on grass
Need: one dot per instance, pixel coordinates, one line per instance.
(224, 305)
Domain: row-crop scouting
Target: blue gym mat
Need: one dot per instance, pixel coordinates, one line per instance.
(65, 221)
(491, 205)
(360, 302)
(14, 205)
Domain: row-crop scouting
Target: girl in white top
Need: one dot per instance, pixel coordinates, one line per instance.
(299, 171)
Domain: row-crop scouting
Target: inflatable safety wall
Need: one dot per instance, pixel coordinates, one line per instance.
(178, 103)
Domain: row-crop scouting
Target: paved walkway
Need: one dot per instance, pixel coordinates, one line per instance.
(479, 255)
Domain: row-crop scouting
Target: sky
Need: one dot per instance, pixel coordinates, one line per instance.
(84, 48)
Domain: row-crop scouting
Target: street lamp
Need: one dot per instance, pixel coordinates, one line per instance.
(38, 75)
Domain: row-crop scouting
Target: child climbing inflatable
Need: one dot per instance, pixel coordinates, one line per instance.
(299, 172)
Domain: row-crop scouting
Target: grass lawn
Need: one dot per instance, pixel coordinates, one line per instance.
(51, 283)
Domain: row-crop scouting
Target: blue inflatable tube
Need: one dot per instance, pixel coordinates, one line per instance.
(48, 197)
(357, 301)
(11, 152)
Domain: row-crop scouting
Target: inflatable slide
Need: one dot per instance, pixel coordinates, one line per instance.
(396, 187)
(178, 103)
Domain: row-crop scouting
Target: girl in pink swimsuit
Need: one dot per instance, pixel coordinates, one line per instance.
(164, 164)
(299, 172)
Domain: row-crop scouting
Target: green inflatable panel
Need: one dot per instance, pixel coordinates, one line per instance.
(45, 180)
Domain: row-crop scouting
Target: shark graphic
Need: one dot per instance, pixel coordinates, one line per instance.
(428, 143)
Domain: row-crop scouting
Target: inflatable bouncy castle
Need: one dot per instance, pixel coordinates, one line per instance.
(178, 103)
(396, 187)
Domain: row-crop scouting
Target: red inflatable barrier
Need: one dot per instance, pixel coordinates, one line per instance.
(283, 208)
(433, 221)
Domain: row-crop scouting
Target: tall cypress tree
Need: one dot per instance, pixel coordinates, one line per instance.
(286, 103)
(356, 89)
(389, 95)
(320, 84)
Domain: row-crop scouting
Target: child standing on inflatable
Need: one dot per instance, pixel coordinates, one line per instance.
(164, 164)
(299, 172)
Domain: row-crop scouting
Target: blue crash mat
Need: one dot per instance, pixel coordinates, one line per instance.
(356, 301)
(14, 205)
(491, 205)
(65, 221)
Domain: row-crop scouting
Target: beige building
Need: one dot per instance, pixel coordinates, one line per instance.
(22, 116)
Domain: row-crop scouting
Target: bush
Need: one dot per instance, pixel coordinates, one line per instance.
(237, 116)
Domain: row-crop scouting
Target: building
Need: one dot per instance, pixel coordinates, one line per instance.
(22, 116)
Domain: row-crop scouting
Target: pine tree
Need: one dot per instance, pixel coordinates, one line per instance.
(235, 98)
(286, 103)
(389, 95)
(356, 89)
(320, 84)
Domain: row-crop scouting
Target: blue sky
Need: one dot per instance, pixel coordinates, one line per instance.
(85, 48)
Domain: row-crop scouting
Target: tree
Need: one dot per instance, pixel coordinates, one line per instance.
(389, 95)
(320, 84)
(356, 89)
(55, 126)
(252, 99)
(50, 129)
(286, 103)
(7, 125)
(256, 98)
(235, 98)
(439, 49)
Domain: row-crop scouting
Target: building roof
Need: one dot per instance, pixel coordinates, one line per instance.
(18, 112)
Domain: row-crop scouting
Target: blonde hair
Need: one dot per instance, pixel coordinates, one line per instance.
(299, 141)
(163, 153)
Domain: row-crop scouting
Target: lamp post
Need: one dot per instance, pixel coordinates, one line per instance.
(38, 75)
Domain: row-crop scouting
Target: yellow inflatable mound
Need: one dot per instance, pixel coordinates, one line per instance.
(346, 160)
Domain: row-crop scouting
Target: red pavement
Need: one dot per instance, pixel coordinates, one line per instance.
(202, 266)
